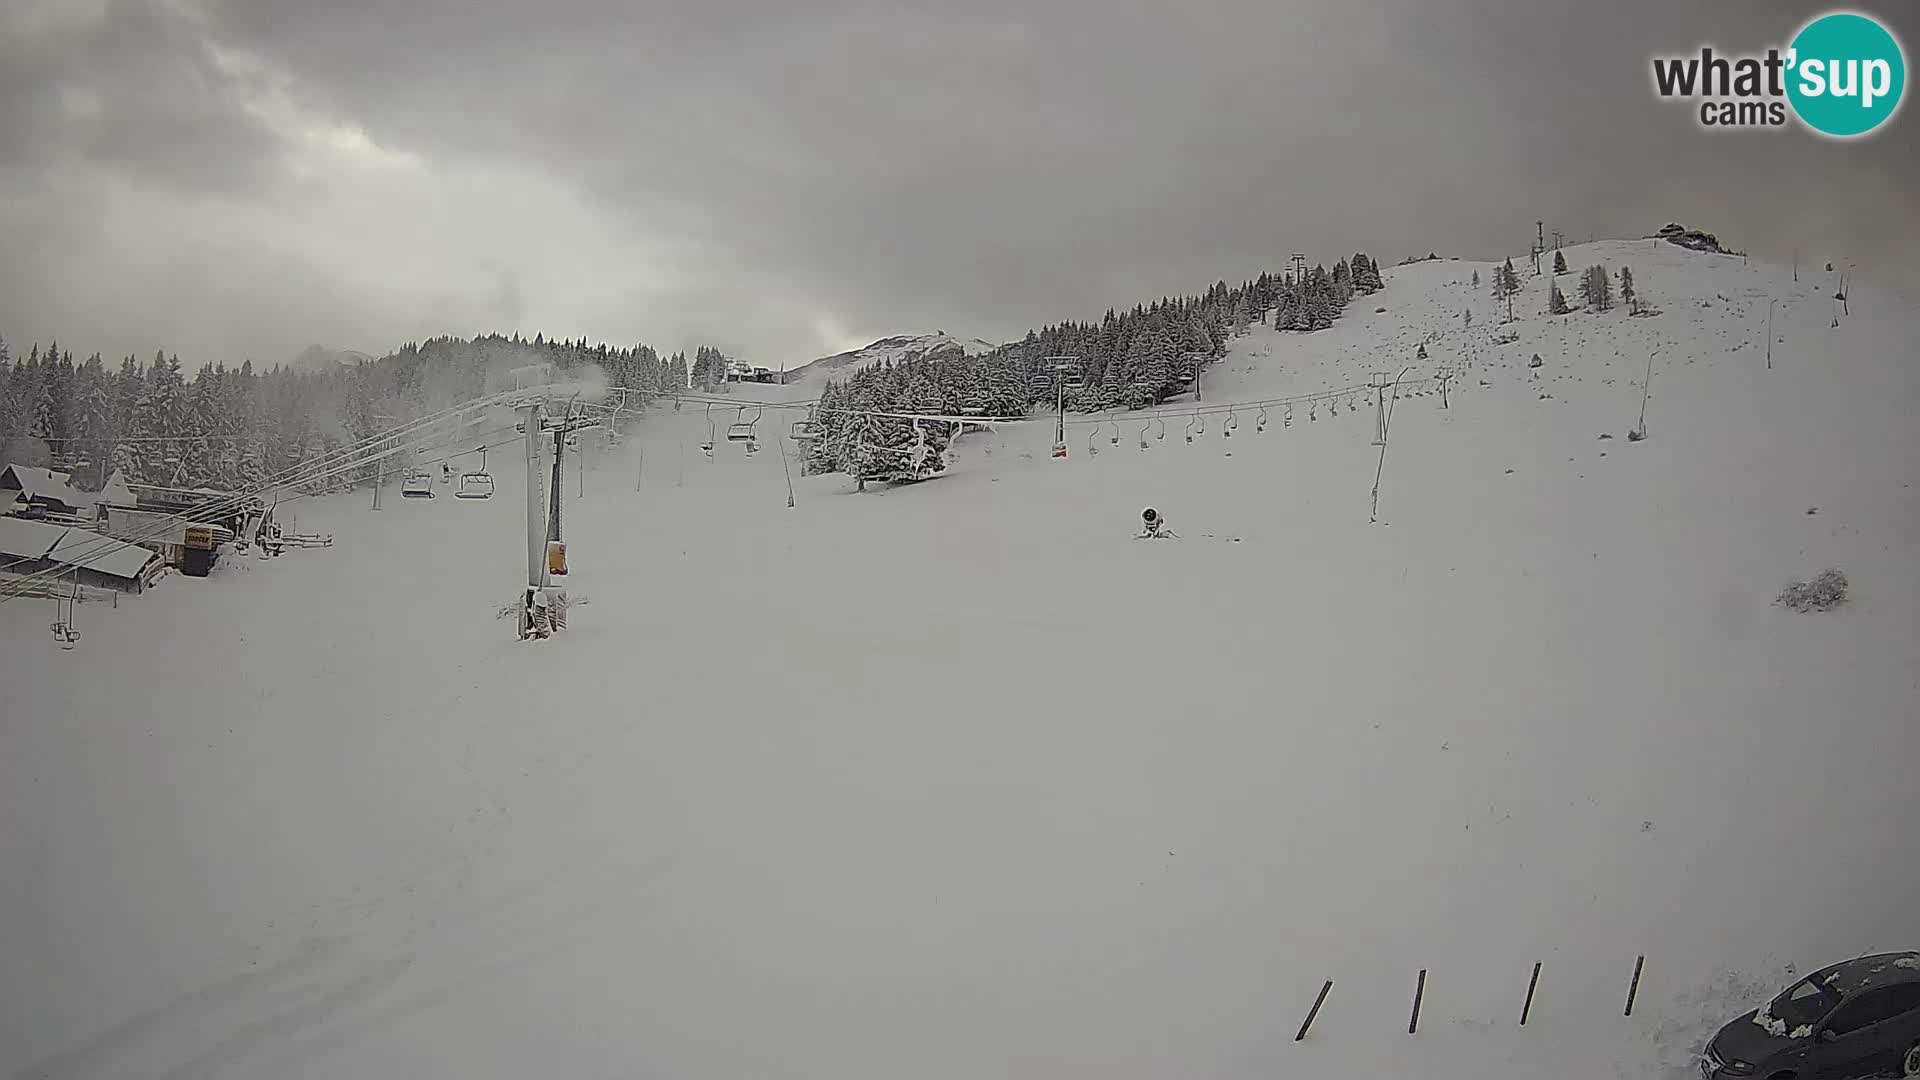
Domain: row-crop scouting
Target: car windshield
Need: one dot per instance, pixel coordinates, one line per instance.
(1805, 1003)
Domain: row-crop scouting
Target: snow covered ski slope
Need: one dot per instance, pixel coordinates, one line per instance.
(958, 780)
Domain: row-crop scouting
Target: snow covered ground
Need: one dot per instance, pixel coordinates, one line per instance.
(959, 780)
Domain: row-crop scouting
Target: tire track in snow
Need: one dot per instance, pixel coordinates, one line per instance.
(88, 1058)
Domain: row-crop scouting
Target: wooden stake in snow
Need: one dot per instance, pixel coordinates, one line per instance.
(1770, 304)
(1646, 385)
(1634, 988)
(1313, 1012)
(1531, 984)
(1419, 991)
(1379, 382)
(784, 469)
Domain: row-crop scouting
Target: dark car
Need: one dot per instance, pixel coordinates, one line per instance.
(1860, 1018)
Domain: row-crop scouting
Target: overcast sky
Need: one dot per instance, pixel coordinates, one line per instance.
(236, 179)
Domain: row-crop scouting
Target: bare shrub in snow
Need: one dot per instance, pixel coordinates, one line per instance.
(1825, 592)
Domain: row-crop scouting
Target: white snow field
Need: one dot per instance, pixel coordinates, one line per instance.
(958, 780)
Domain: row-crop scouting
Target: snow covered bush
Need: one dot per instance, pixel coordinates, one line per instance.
(1826, 591)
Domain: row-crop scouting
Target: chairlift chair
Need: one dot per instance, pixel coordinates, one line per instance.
(742, 430)
(64, 609)
(707, 447)
(477, 484)
(418, 484)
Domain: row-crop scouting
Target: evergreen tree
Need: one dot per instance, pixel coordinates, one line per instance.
(1506, 285)
(1510, 281)
(1366, 275)
(127, 388)
(1466, 318)
(1597, 289)
(9, 416)
(1559, 261)
(1476, 279)
(1556, 303)
(93, 422)
(1626, 290)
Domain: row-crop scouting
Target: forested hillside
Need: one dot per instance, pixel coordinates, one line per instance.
(1125, 361)
(230, 428)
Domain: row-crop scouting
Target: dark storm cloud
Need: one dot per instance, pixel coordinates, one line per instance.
(779, 177)
(135, 90)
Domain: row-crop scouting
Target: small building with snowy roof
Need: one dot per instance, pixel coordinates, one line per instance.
(41, 491)
(69, 553)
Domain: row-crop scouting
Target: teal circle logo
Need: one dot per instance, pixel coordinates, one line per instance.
(1847, 75)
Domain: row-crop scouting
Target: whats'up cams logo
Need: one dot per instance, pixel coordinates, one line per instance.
(1843, 76)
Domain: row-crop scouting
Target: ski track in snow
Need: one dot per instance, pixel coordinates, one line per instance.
(957, 780)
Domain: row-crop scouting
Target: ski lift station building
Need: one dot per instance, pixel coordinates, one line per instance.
(35, 547)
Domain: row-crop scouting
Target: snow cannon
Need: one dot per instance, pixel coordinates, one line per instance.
(1153, 524)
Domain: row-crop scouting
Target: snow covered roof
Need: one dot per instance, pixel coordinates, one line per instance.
(116, 492)
(32, 540)
(42, 484)
(23, 539)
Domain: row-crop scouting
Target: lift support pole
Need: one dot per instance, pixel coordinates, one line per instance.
(536, 502)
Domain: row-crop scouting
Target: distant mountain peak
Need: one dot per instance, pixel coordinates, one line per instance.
(897, 348)
(319, 358)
